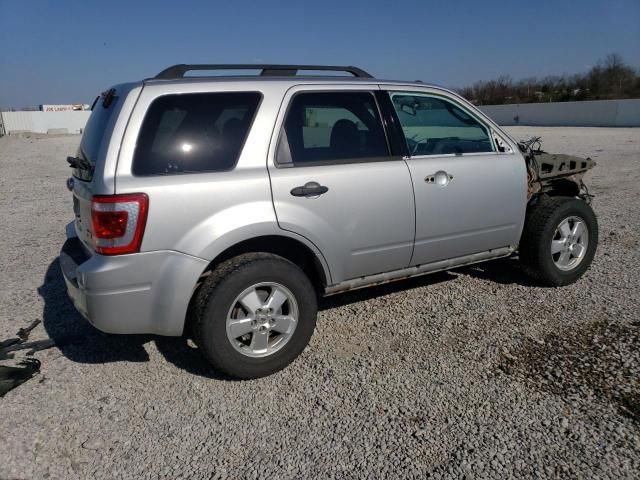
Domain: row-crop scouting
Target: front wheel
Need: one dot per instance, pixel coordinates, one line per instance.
(559, 240)
(255, 314)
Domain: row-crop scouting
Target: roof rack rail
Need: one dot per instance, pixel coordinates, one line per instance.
(178, 71)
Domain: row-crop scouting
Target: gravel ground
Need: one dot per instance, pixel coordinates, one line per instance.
(474, 373)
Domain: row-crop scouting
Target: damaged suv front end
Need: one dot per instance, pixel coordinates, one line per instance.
(554, 174)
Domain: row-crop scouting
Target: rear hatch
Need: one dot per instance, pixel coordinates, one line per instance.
(89, 163)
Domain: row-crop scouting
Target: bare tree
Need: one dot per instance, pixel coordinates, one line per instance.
(609, 78)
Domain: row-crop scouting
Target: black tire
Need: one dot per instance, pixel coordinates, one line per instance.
(541, 223)
(214, 300)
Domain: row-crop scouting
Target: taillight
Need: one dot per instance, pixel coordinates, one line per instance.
(118, 222)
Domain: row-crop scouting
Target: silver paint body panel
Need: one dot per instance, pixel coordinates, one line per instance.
(377, 219)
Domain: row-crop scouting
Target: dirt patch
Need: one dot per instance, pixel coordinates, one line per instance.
(599, 358)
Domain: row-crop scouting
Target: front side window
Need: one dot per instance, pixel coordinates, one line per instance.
(332, 126)
(197, 132)
(433, 125)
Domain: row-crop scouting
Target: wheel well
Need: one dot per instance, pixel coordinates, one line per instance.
(285, 247)
(562, 187)
(293, 250)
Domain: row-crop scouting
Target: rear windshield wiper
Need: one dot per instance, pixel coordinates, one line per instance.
(80, 164)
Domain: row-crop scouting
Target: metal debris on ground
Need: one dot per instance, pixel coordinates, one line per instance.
(13, 375)
(23, 333)
(16, 373)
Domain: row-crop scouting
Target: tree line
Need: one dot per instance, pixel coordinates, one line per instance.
(610, 78)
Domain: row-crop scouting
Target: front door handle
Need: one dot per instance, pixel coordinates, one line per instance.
(440, 178)
(310, 189)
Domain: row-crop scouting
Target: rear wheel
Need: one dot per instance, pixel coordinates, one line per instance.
(254, 314)
(559, 240)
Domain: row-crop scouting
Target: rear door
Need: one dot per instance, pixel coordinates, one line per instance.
(470, 197)
(335, 181)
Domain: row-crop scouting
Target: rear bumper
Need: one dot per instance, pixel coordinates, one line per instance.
(139, 293)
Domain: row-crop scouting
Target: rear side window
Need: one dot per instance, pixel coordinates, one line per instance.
(435, 126)
(332, 126)
(197, 132)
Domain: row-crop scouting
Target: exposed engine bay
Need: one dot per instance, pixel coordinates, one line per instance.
(553, 173)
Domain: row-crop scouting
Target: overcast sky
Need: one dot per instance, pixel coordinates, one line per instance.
(67, 51)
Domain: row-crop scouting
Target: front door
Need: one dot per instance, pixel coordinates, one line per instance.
(335, 182)
(470, 198)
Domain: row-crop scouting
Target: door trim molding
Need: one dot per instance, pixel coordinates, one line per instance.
(417, 270)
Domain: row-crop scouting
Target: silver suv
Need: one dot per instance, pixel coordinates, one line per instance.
(223, 206)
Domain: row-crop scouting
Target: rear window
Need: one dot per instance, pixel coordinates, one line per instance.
(198, 132)
(93, 133)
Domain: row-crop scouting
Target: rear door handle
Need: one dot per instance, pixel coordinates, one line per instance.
(310, 189)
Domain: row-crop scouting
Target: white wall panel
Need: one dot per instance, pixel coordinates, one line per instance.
(43, 122)
(597, 113)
